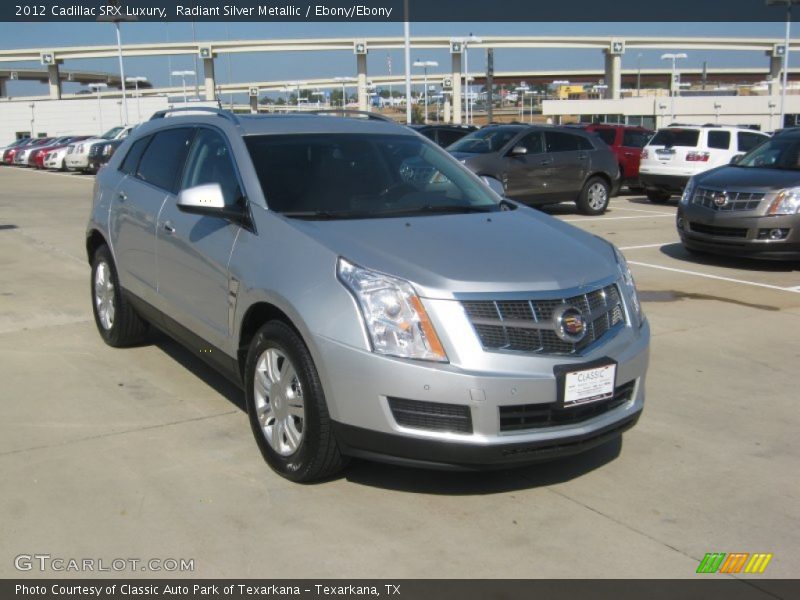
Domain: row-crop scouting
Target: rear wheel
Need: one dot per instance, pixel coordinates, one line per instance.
(116, 320)
(594, 197)
(658, 196)
(286, 406)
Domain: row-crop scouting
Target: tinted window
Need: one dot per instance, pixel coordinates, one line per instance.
(533, 142)
(210, 162)
(163, 159)
(558, 141)
(447, 137)
(584, 143)
(488, 139)
(635, 139)
(748, 141)
(719, 139)
(131, 160)
(782, 152)
(362, 176)
(676, 137)
(607, 135)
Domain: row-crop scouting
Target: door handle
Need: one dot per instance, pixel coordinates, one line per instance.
(546, 161)
(628, 153)
(169, 228)
(583, 155)
(122, 196)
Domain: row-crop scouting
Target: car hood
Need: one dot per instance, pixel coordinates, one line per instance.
(447, 255)
(729, 177)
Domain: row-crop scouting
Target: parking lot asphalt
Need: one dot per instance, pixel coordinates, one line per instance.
(146, 453)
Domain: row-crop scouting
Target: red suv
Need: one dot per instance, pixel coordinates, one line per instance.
(626, 142)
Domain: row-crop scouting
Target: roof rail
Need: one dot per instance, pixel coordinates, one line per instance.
(347, 112)
(225, 114)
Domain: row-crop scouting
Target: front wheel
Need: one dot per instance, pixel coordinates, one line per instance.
(118, 323)
(286, 406)
(594, 197)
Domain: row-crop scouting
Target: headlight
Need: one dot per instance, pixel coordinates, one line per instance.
(393, 314)
(787, 202)
(630, 287)
(688, 191)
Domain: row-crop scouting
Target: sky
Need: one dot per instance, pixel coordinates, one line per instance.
(302, 65)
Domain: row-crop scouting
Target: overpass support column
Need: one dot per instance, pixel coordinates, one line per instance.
(3, 87)
(775, 68)
(54, 82)
(210, 83)
(456, 95)
(613, 75)
(363, 97)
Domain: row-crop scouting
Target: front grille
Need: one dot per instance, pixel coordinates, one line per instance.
(96, 150)
(733, 232)
(433, 416)
(736, 200)
(534, 416)
(527, 325)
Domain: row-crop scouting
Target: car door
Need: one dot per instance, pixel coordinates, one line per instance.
(193, 250)
(527, 175)
(633, 140)
(135, 204)
(567, 164)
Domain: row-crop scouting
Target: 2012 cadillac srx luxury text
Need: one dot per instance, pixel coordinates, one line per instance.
(371, 295)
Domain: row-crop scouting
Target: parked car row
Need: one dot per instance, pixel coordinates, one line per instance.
(73, 152)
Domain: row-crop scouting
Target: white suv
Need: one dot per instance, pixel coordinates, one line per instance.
(677, 152)
(77, 157)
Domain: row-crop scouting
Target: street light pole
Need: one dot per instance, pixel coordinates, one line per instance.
(424, 64)
(407, 55)
(183, 75)
(672, 92)
(639, 75)
(97, 87)
(135, 81)
(788, 4)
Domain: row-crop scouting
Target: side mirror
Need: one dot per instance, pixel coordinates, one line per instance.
(494, 185)
(518, 151)
(736, 158)
(208, 200)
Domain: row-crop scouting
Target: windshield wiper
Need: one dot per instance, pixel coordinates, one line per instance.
(323, 215)
(432, 209)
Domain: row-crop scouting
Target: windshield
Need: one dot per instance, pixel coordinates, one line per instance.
(363, 176)
(488, 139)
(111, 133)
(777, 153)
(676, 137)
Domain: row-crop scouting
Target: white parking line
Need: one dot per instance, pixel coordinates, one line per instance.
(795, 290)
(641, 210)
(653, 216)
(646, 246)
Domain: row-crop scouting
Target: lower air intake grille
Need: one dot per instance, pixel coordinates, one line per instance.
(534, 416)
(433, 416)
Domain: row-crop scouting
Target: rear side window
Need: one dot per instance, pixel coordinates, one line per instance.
(557, 141)
(635, 139)
(719, 139)
(607, 135)
(131, 160)
(748, 141)
(676, 137)
(163, 159)
(584, 143)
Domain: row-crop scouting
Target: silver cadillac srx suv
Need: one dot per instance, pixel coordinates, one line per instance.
(371, 295)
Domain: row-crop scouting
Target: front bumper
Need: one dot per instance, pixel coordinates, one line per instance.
(707, 230)
(359, 385)
(77, 162)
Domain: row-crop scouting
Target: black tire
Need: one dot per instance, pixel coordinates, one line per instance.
(595, 196)
(317, 455)
(657, 196)
(126, 327)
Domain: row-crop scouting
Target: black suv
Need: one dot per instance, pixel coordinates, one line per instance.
(539, 164)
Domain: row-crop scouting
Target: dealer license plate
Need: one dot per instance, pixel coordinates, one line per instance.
(589, 385)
